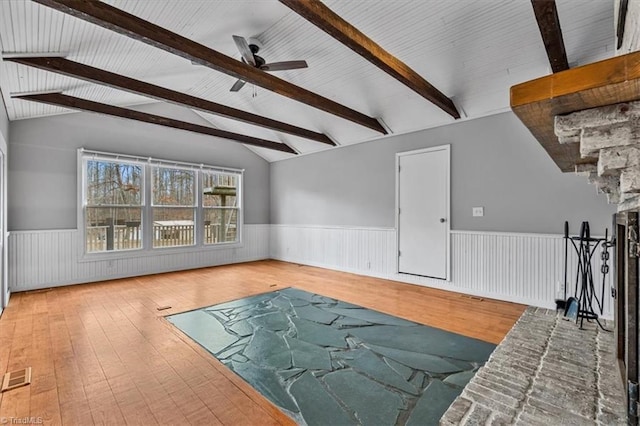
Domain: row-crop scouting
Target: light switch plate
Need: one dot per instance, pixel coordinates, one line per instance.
(478, 211)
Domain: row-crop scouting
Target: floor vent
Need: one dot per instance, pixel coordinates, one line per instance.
(40, 290)
(15, 379)
(468, 296)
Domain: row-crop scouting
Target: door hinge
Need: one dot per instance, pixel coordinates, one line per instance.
(398, 210)
(399, 253)
(633, 398)
(398, 168)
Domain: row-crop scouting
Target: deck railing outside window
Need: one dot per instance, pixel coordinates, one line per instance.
(130, 237)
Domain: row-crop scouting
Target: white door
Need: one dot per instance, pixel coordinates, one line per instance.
(423, 212)
(4, 291)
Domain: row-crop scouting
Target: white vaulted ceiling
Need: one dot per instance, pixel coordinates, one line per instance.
(471, 50)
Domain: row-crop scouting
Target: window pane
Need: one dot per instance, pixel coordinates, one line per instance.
(219, 190)
(173, 187)
(113, 183)
(113, 228)
(173, 227)
(220, 225)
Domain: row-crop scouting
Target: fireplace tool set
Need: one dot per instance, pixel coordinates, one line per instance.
(585, 301)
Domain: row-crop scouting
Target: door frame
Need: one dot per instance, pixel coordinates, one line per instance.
(447, 149)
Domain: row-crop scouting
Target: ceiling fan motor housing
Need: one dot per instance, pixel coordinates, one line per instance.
(254, 44)
(259, 60)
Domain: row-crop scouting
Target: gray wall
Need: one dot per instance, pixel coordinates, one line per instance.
(4, 125)
(43, 162)
(495, 163)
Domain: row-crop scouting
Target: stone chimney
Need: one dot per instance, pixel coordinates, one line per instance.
(593, 111)
(609, 139)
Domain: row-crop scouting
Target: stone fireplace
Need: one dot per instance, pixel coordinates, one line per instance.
(609, 143)
(608, 138)
(588, 120)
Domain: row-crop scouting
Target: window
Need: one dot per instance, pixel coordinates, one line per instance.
(114, 198)
(131, 203)
(174, 202)
(220, 207)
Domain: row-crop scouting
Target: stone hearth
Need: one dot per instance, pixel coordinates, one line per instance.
(545, 372)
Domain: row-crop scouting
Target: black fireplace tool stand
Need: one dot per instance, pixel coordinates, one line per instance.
(586, 300)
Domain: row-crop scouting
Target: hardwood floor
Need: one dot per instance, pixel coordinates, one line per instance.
(103, 354)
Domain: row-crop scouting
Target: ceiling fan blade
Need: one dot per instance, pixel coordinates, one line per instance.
(244, 49)
(237, 85)
(286, 65)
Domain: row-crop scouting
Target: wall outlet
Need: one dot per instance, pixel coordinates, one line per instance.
(477, 211)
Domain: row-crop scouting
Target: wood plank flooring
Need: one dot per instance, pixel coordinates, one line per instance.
(103, 354)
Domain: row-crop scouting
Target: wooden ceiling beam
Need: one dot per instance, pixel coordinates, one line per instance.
(538, 101)
(324, 18)
(67, 101)
(124, 23)
(549, 25)
(622, 19)
(95, 75)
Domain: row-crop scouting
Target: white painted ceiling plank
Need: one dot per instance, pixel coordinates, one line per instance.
(473, 50)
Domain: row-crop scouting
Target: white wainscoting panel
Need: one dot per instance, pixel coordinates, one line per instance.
(523, 268)
(41, 259)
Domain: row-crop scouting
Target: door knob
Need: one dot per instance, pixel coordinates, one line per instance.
(443, 220)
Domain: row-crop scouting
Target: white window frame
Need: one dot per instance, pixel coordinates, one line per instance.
(147, 206)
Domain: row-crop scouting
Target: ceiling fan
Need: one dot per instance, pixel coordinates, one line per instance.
(249, 52)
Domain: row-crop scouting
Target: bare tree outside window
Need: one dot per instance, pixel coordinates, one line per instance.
(174, 203)
(114, 197)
